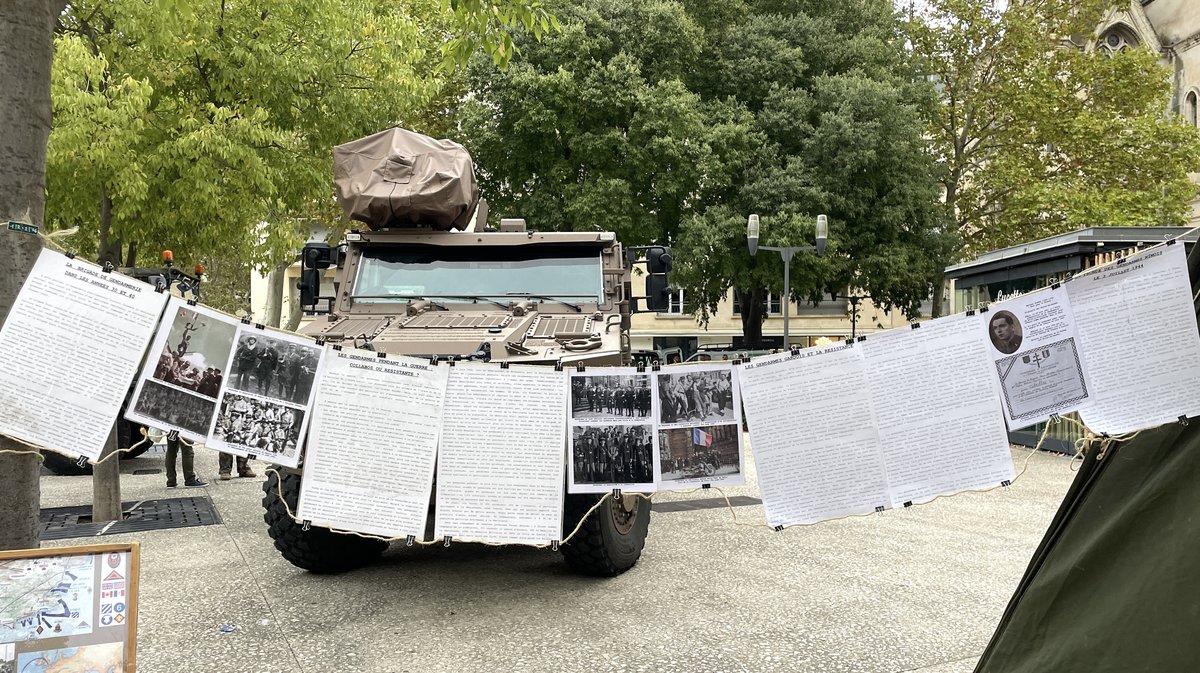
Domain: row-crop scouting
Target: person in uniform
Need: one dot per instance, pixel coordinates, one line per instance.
(246, 359)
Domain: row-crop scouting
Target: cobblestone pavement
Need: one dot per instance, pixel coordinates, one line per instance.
(919, 589)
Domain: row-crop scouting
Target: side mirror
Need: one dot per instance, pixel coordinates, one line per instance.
(310, 288)
(658, 293)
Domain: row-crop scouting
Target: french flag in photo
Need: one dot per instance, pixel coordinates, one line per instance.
(701, 438)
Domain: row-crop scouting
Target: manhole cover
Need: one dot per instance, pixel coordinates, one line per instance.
(705, 503)
(58, 523)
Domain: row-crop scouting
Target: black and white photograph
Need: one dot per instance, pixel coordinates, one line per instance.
(195, 352)
(697, 394)
(173, 409)
(274, 366)
(260, 427)
(612, 456)
(709, 454)
(1004, 329)
(610, 398)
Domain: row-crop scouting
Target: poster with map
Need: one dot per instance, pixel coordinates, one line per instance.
(69, 609)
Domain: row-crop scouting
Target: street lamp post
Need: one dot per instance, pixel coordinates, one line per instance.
(752, 231)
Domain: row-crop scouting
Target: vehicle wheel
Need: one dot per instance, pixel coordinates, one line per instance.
(611, 539)
(318, 550)
(64, 466)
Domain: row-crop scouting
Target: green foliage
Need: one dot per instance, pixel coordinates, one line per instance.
(209, 126)
(1039, 135)
(673, 120)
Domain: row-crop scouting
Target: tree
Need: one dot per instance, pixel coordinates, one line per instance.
(1038, 133)
(594, 127)
(26, 31)
(223, 140)
(835, 120)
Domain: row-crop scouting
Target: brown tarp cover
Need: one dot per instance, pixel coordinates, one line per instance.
(398, 178)
(1115, 583)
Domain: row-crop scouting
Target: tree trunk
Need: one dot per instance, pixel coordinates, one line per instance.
(108, 249)
(26, 51)
(106, 477)
(752, 313)
(939, 291)
(131, 254)
(274, 308)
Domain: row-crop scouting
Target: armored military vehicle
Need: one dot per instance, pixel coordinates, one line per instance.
(425, 277)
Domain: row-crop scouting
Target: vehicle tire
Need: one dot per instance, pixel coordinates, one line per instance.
(611, 539)
(317, 550)
(64, 466)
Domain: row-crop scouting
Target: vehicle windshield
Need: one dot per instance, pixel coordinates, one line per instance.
(447, 274)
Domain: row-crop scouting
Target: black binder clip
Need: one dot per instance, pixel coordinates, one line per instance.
(1122, 261)
(558, 366)
(971, 311)
(641, 368)
(616, 493)
(337, 347)
(1183, 419)
(779, 529)
(580, 368)
(915, 325)
(259, 325)
(192, 302)
(879, 509)
(504, 365)
(1055, 286)
(446, 541)
(1055, 418)
(862, 337)
(433, 360)
(554, 545)
(245, 320)
(656, 367)
(70, 255)
(410, 541)
(705, 486)
(908, 504)
(1006, 483)
(160, 288)
(307, 525)
(82, 462)
(173, 436)
(795, 350)
(849, 342)
(107, 268)
(1171, 241)
(320, 342)
(983, 309)
(380, 354)
(450, 362)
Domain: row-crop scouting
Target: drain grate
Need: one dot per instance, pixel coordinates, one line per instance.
(58, 523)
(704, 503)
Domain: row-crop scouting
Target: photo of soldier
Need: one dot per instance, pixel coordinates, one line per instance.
(261, 427)
(699, 454)
(195, 351)
(696, 397)
(613, 454)
(612, 398)
(275, 368)
(175, 408)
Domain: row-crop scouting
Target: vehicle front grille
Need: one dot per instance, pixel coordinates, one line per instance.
(456, 321)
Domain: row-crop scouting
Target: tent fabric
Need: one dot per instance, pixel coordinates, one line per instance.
(1114, 585)
(401, 179)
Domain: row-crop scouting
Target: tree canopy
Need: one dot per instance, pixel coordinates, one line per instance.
(187, 127)
(1039, 132)
(673, 120)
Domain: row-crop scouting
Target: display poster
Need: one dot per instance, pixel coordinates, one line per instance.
(1137, 325)
(500, 468)
(69, 609)
(612, 430)
(69, 348)
(1036, 355)
(373, 443)
(264, 403)
(179, 383)
(812, 431)
(699, 426)
(934, 398)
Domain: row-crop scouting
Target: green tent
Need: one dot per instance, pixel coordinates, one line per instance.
(1115, 583)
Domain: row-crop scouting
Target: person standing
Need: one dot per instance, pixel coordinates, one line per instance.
(175, 447)
(225, 466)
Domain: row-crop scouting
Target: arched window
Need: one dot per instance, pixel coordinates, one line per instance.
(1189, 108)
(1115, 41)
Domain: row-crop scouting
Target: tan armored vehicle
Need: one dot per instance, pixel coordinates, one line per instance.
(427, 280)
